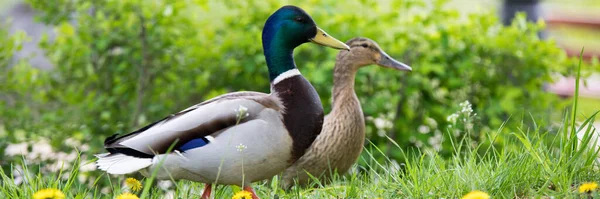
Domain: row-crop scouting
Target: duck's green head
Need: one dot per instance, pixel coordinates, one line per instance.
(285, 30)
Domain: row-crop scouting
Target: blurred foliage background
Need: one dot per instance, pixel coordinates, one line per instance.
(119, 65)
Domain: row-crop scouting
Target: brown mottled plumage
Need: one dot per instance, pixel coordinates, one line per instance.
(340, 143)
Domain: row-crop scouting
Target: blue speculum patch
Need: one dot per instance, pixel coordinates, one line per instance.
(192, 144)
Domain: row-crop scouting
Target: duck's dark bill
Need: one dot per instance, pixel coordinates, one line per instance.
(324, 39)
(387, 61)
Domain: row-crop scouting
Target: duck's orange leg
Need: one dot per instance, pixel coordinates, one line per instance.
(249, 189)
(206, 192)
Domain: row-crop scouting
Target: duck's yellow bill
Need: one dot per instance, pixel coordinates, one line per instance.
(322, 38)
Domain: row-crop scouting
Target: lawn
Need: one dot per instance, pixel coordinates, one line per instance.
(525, 166)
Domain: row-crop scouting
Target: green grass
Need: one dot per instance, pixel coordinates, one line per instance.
(527, 163)
(526, 166)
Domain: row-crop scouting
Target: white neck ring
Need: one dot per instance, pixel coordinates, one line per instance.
(285, 75)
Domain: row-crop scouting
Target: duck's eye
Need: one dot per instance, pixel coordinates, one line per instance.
(365, 45)
(299, 19)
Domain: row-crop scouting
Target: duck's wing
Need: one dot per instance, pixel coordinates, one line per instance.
(195, 122)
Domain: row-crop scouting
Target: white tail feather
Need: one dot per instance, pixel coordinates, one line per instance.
(121, 164)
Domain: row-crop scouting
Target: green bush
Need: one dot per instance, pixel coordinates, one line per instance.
(121, 64)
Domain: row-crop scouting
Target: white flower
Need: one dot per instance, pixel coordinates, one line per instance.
(241, 112)
(412, 139)
(57, 166)
(242, 109)
(85, 167)
(165, 184)
(466, 107)
(82, 178)
(70, 142)
(169, 195)
(436, 141)
(84, 147)
(431, 122)
(415, 141)
(469, 126)
(423, 129)
(382, 124)
(452, 118)
(418, 143)
(395, 167)
(241, 147)
(66, 157)
(16, 149)
(105, 190)
(66, 175)
(19, 175)
(116, 51)
(456, 133)
(41, 150)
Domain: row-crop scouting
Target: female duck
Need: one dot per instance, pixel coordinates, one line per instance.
(341, 140)
(236, 138)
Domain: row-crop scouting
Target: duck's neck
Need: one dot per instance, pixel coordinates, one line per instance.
(343, 84)
(279, 56)
(303, 114)
(345, 125)
(279, 62)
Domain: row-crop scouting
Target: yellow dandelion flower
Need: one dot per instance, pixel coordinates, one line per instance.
(476, 195)
(127, 196)
(588, 187)
(242, 195)
(49, 194)
(133, 184)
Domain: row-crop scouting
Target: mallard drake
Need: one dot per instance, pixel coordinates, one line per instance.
(237, 138)
(341, 140)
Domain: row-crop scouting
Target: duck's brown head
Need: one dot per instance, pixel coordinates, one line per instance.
(364, 52)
